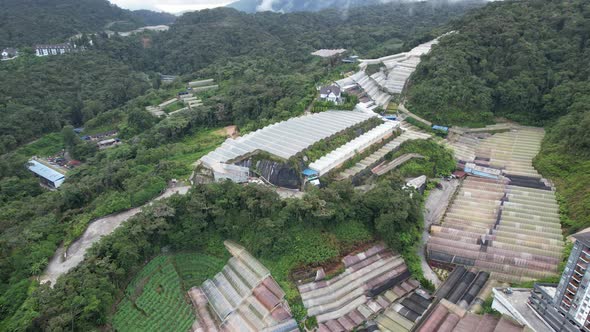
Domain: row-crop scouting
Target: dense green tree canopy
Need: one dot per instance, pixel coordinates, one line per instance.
(40, 95)
(524, 60)
(28, 22)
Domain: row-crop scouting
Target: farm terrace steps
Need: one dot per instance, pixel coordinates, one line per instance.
(242, 297)
(509, 227)
(397, 68)
(347, 151)
(154, 301)
(378, 155)
(368, 84)
(509, 231)
(384, 168)
(371, 282)
(511, 151)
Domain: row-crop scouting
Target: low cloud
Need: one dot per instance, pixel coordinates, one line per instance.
(171, 6)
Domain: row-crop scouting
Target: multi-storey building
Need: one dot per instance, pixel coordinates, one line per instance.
(572, 297)
(44, 50)
(566, 306)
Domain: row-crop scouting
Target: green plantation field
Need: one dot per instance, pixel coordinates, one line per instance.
(156, 299)
(196, 268)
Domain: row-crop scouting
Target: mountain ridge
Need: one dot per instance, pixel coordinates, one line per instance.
(27, 22)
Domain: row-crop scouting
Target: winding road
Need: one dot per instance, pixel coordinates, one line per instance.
(64, 260)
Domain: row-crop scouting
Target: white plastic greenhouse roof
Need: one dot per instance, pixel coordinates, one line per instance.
(287, 138)
(392, 80)
(350, 149)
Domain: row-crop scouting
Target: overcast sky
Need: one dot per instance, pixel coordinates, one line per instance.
(171, 6)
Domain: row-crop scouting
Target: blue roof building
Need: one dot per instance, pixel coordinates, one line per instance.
(310, 172)
(48, 175)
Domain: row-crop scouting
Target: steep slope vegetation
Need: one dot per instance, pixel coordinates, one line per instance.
(200, 38)
(290, 6)
(26, 22)
(525, 61)
(565, 158)
(39, 95)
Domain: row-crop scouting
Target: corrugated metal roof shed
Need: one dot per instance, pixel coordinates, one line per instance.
(46, 172)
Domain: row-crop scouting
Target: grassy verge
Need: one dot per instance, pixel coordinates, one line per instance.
(47, 145)
(173, 107)
(313, 249)
(570, 175)
(193, 147)
(437, 160)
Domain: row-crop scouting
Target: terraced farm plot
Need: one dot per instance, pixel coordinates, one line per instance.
(194, 269)
(155, 300)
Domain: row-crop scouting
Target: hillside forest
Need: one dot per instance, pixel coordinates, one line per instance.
(24, 23)
(524, 61)
(512, 61)
(265, 73)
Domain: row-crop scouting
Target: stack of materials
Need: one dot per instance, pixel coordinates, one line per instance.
(447, 316)
(462, 286)
(243, 297)
(404, 313)
(372, 280)
(284, 140)
(336, 158)
(380, 154)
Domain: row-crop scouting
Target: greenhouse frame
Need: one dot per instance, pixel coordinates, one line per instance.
(243, 297)
(337, 157)
(371, 282)
(283, 140)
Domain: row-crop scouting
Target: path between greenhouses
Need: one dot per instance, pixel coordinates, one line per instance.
(434, 209)
(74, 255)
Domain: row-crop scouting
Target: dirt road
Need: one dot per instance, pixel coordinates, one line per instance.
(434, 208)
(59, 264)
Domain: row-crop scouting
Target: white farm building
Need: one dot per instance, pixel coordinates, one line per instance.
(283, 140)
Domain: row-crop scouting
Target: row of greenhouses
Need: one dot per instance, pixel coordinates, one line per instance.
(464, 147)
(378, 155)
(397, 68)
(447, 316)
(371, 282)
(337, 157)
(512, 151)
(500, 228)
(243, 296)
(283, 139)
